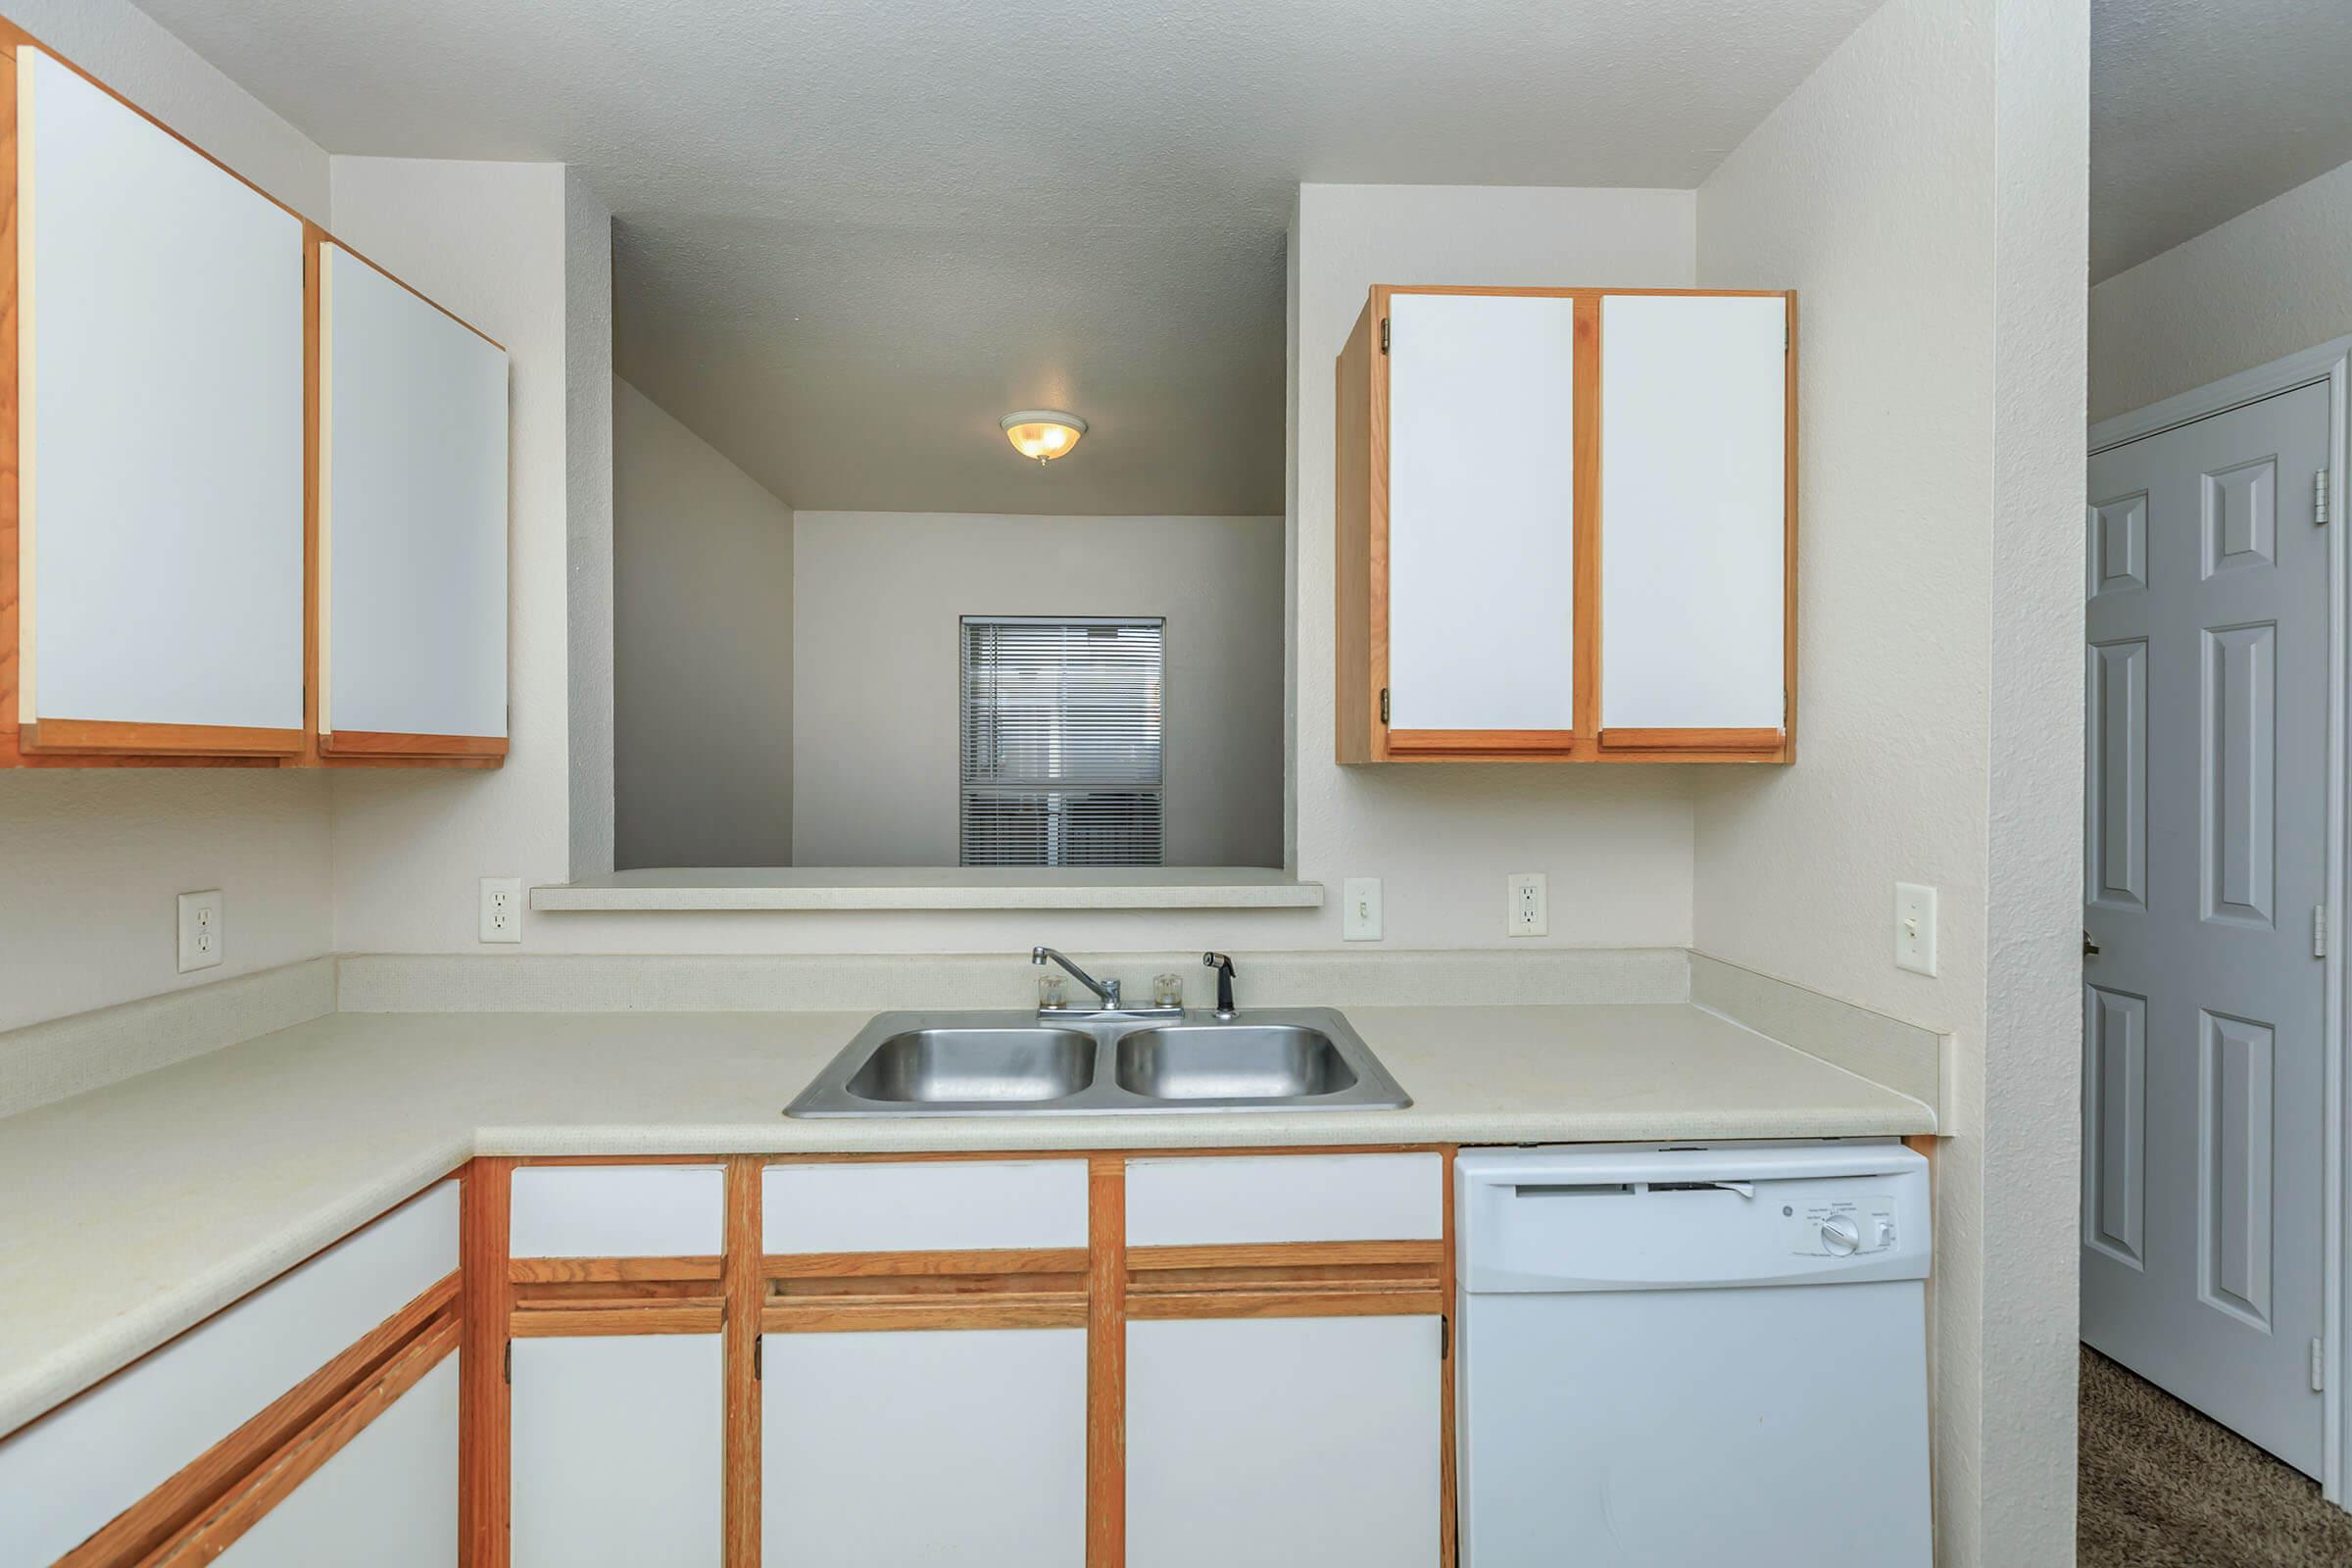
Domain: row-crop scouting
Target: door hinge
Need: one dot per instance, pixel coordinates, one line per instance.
(2318, 930)
(2319, 498)
(1446, 1335)
(758, 1343)
(2319, 1368)
(1384, 334)
(1384, 705)
(508, 1370)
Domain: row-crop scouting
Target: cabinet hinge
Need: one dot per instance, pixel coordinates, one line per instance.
(1384, 705)
(507, 1369)
(2319, 498)
(2319, 1368)
(1384, 334)
(2318, 930)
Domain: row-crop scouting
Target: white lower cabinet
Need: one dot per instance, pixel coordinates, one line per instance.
(388, 1498)
(964, 1446)
(1277, 1441)
(618, 1451)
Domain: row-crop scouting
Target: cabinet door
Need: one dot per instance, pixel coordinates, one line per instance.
(1694, 558)
(617, 1451)
(162, 1412)
(915, 1446)
(411, 521)
(388, 1498)
(160, 559)
(1283, 1440)
(1481, 582)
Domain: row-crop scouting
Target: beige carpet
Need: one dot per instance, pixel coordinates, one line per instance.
(2163, 1487)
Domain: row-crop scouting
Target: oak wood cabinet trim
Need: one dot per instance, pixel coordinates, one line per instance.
(1106, 1362)
(744, 1283)
(281, 1444)
(1697, 740)
(319, 1442)
(485, 1422)
(84, 736)
(380, 743)
(1362, 563)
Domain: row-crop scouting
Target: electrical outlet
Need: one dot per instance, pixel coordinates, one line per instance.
(1915, 928)
(502, 909)
(200, 930)
(1359, 915)
(1528, 912)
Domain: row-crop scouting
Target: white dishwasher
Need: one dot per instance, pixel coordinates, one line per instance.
(1694, 1356)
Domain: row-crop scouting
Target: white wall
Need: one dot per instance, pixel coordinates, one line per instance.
(1924, 190)
(500, 245)
(875, 736)
(2264, 285)
(91, 861)
(702, 651)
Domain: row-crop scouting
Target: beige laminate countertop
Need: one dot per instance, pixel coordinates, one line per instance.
(131, 1212)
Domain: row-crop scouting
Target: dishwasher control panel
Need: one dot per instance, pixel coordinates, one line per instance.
(1846, 1225)
(1632, 1217)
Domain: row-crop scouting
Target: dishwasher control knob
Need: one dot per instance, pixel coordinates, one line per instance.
(1841, 1235)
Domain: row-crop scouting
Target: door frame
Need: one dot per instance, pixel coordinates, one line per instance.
(2328, 363)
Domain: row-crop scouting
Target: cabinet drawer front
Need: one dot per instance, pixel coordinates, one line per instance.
(1285, 1198)
(993, 1421)
(160, 1413)
(617, 1211)
(924, 1206)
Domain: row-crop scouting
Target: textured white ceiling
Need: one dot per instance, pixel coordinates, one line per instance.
(2203, 109)
(851, 233)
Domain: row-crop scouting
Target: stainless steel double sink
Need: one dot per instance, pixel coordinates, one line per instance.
(1031, 1064)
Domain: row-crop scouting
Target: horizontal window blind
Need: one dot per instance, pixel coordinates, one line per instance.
(1062, 740)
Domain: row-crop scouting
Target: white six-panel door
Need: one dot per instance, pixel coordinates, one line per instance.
(161, 357)
(2206, 698)
(1482, 503)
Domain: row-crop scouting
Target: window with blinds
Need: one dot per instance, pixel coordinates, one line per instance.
(1063, 732)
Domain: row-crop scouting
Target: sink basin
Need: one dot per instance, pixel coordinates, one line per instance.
(933, 1065)
(1089, 1063)
(1231, 1061)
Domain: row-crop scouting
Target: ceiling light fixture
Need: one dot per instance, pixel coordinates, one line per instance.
(1043, 433)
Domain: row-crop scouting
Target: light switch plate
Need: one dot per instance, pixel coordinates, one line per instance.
(200, 930)
(1359, 909)
(1915, 928)
(1528, 914)
(502, 909)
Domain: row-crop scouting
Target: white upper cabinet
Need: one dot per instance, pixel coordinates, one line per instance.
(1693, 523)
(412, 520)
(161, 437)
(1482, 528)
(1564, 526)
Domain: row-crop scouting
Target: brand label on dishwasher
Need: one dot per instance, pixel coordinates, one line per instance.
(1841, 1226)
